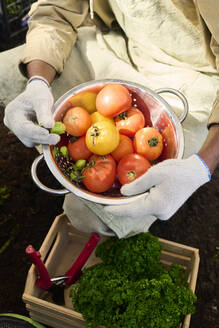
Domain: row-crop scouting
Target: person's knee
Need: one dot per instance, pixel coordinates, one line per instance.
(12, 83)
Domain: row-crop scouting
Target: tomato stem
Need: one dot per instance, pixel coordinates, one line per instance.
(95, 133)
(131, 175)
(73, 139)
(123, 116)
(153, 142)
(90, 164)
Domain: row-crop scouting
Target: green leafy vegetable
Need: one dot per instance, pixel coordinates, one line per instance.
(137, 256)
(130, 288)
(4, 194)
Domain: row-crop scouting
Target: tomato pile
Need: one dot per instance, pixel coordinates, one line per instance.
(105, 139)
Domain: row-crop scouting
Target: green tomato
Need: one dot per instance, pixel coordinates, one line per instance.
(64, 151)
(80, 164)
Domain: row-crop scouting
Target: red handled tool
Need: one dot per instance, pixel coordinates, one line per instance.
(56, 285)
(43, 281)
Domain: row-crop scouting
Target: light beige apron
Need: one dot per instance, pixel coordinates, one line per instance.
(164, 50)
(166, 47)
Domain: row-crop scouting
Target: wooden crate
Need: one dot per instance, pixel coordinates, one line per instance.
(61, 247)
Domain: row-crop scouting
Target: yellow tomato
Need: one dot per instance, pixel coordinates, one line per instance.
(97, 117)
(102, 138)
(85, 99)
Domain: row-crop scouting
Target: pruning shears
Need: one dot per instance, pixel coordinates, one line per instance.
(57, 285)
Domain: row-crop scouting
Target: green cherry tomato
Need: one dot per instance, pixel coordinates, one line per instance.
(80, 164)
(64, 151)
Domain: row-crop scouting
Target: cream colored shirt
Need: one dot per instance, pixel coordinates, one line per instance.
(53, 31)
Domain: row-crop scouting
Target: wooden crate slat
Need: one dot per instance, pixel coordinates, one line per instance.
(56, 316)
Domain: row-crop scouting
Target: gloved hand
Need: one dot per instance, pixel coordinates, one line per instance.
(29, 115)
(170, 183)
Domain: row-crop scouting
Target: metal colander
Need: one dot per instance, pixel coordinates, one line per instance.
(158, 114)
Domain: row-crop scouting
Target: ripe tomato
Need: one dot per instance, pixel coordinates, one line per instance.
(130, 122)
(97, 117)
(131, 167)
(148, 142)
(112, 100)
(77, 121)
(85, 99)
(78, 149)
(125, 147)
(102, 138)
(100, 173)
(169, 143)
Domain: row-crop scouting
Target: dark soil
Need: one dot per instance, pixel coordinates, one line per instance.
(28, 213)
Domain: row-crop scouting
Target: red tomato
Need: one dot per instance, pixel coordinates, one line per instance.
(100, 174)
(78, 149)
(131, 167)
(125, 147)
(169, 144)
(148, 142)
(77, 121)
(130, 122)
(112, 100)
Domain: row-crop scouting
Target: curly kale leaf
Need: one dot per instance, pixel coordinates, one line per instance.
(124, 291)
(157, 304)
(99, 295)
(138, 256)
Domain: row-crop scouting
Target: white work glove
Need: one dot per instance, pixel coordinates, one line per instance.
(29, 115)
(90, 217)
(169, 184)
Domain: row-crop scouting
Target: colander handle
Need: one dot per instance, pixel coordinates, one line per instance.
(181, 96)
(35, 178)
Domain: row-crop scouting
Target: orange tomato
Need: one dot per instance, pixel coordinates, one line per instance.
(130, 121)
(78, 149)
(131, 167)
(169, 143)
(125, 147)
(112, 100)
(77, 121)
(148, 142)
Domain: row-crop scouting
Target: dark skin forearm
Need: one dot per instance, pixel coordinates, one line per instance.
(38, 67)
(210, 149)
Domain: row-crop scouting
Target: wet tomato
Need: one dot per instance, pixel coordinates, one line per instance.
(130, 167)
(148, 142)
(130, 121)
(102, 138)
(125, 147)
(112, 100)
(78, 149)
(100, 173)
(77, 121)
